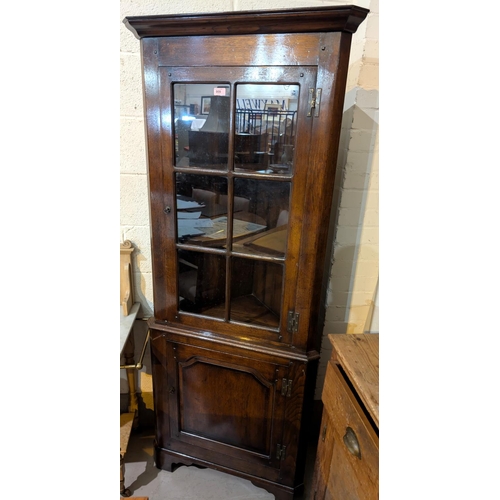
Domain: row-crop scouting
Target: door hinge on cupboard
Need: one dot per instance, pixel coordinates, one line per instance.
(292, 324)
(280, 452)
(286, 387)
(314, 102)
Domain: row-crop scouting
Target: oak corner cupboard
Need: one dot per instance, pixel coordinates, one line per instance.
(243, 113)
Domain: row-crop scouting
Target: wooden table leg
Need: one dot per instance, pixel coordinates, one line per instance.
(124, 492)
(128, 353)
(126, 422)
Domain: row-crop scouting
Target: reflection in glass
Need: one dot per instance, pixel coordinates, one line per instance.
(202, 278)
(201, 125)
(201, 209)
(260, 221)
(266, 121)
(254, 209)
(256, 289)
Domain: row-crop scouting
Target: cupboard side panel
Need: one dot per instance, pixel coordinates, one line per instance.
(156, 180)
(159, 364)
(332, 76)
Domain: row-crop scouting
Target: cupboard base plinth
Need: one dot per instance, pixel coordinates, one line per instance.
(167, 460)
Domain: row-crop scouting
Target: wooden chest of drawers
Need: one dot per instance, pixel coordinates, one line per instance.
(346, 465)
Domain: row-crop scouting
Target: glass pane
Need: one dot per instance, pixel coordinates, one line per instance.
(266, 120)
(201, 218)
(256, 289)
(202, 278)
(201, 125)
(260, 223)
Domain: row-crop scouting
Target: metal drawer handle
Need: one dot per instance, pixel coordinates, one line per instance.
(351, 442)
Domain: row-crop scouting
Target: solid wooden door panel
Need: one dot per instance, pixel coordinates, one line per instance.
(231, 406)
(214, 407)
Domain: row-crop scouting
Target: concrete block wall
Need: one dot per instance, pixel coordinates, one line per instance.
(352, 293)
(353, 269)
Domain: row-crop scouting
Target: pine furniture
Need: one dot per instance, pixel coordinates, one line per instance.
(346, 465)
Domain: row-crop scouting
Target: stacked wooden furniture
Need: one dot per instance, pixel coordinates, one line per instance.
(237, 297)
(347, 457)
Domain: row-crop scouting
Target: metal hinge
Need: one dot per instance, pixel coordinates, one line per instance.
(280, 452)
(314, 102)
(286, 387)
(292, 325)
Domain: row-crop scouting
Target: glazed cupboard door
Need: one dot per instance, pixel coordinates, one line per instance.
(235, 143)
(229, 409)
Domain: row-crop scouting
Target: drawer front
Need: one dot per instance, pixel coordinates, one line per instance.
(323, 459)
(353, 472)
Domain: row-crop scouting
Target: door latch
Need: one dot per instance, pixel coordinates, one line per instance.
(314, 102)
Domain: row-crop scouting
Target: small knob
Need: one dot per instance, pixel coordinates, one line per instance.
(167, 210)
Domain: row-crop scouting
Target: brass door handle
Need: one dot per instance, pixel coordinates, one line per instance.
(351, 442)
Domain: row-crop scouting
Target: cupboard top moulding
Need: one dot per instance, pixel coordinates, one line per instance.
(311, 20)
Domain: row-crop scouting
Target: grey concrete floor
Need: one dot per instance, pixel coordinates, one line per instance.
(190, 483)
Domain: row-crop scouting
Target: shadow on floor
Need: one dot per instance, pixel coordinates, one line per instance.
(144, 479)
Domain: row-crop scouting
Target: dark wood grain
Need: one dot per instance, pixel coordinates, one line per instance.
(265, 50)
(339, 18)
(232, 383)
(332, 75)
(200, 394)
